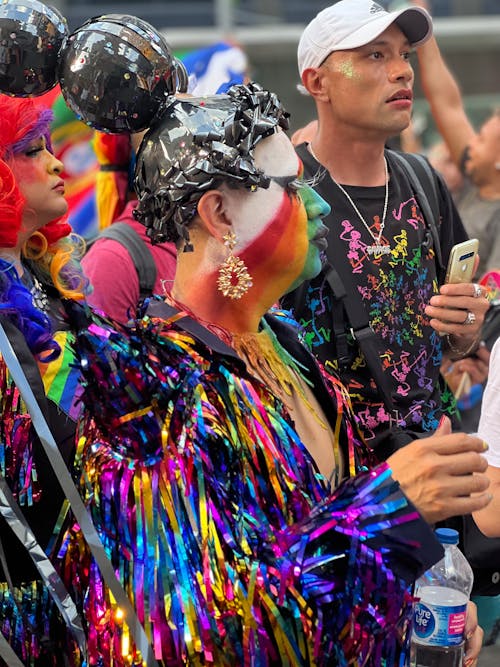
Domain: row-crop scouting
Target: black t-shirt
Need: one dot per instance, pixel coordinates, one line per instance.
(395, 288)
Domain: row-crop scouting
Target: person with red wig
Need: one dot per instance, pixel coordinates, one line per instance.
(39, 265)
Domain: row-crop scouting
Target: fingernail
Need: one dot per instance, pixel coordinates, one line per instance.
(442, 421)
(482, 343)
(469, 635)
(485, 446)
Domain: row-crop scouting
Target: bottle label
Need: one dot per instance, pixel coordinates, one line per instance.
(438, 625)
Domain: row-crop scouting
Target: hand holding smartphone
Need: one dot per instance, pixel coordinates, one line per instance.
(461, 262)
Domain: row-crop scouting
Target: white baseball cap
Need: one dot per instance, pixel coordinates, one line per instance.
(349, 24)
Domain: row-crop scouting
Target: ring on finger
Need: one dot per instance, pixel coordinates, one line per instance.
(478, 291)
(470, 319)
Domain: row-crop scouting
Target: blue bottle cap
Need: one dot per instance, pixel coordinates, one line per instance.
(447, 535)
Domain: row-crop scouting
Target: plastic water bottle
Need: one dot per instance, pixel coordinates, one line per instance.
(439, 616)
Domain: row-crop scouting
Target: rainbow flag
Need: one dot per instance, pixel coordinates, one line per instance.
(61, 377)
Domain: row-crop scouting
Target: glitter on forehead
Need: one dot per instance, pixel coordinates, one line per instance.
(196, 145)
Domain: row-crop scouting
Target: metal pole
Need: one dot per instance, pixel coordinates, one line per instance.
(224, 18)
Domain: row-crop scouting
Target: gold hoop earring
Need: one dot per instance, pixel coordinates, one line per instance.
(36, 246)
(234, 280)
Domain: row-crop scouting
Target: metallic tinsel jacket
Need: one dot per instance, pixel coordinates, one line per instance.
(215, 518)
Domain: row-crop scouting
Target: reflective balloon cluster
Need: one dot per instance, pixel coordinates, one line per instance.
(115, 72)
(31, 36)
(195, 145)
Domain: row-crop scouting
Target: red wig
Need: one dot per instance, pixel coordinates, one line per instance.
(22, 120)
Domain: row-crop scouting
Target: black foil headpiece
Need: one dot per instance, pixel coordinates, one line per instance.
(195, 145)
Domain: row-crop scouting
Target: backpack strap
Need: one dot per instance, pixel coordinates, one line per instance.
(359, 327)
(424, 185)
(339, 323)
(139, 253)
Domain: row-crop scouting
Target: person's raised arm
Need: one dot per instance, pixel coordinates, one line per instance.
(444, 96)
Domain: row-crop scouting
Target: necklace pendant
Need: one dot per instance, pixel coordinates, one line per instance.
(378, 250)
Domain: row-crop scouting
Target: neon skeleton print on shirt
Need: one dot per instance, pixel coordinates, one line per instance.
(395, 289)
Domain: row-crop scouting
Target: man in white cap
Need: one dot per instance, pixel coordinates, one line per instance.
(386, 246)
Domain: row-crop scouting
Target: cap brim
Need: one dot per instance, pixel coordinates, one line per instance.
(415, 22)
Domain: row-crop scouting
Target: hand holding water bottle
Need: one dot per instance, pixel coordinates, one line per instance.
(439, 627)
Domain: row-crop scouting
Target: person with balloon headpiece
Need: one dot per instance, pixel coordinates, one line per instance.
(39, 266)
(238, 516)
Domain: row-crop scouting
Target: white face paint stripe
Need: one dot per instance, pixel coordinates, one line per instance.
(252, 212)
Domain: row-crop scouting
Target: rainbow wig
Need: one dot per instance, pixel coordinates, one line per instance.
(54, 249)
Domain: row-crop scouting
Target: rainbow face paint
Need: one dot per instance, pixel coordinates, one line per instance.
(317, 232)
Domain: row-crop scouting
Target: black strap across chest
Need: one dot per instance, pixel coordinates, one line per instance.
(139, 253)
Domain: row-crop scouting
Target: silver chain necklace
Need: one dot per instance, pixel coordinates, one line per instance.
(377, 248)
(40, 298)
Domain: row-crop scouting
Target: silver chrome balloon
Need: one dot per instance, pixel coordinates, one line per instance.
(31, 37)
(115, 72)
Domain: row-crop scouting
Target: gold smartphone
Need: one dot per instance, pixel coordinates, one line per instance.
(461, 262)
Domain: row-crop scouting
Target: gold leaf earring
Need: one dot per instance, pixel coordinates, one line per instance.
(234, 280)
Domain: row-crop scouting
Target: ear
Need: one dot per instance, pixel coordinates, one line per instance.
(312, 80)
(212, 214)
